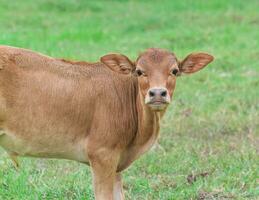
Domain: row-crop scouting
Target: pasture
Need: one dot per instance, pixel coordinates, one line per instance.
(209, 139)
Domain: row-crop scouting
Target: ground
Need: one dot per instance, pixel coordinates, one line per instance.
(209, 142)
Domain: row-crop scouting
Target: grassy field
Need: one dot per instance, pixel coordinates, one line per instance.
(209, 142)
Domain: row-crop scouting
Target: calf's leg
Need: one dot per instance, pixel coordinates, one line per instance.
(14, 158)
(118, 193)
(104, 166)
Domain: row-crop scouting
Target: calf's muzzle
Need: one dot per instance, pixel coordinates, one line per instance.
(157, 97)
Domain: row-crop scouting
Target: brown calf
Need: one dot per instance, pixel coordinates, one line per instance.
(104, 114)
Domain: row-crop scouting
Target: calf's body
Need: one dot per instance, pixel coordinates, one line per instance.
(81, 111)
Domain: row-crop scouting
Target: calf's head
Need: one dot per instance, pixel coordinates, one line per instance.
(157, 70)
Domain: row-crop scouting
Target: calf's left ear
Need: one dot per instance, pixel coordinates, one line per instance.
(195, 62)
(118, 63)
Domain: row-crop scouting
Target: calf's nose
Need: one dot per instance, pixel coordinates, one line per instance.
(157, 92)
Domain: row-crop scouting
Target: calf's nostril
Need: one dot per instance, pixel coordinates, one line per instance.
(151, 93)
(163, 93)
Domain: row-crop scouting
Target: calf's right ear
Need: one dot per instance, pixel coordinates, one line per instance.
(118, 63)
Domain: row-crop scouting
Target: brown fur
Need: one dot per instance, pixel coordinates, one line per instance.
(82, 111)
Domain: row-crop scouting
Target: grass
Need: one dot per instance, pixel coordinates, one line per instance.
(209, 143)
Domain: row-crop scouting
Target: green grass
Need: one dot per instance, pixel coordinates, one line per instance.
(212, 125)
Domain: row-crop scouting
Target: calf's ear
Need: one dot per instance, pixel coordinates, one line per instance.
(195, 62)
(118, 63)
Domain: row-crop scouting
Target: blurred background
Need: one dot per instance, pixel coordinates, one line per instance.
(209, 141)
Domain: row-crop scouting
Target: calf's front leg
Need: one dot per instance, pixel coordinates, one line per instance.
(118, 193)
(104, 166)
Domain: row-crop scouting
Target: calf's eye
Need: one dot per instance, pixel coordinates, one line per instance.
(174, 72)
(139, 72)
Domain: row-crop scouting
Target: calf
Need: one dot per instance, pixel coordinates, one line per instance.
(105, 114)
